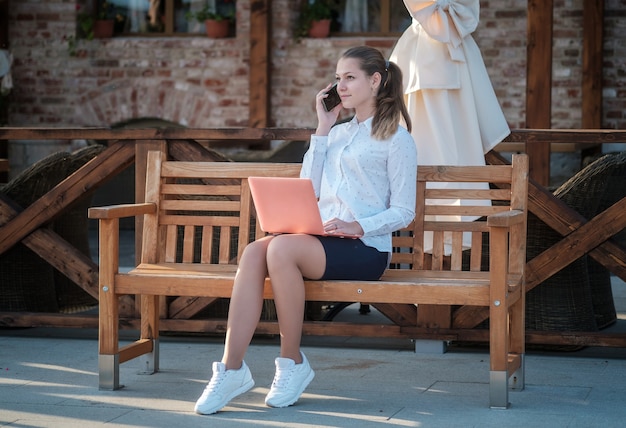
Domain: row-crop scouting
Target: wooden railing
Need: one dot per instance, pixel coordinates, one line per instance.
(125, 146)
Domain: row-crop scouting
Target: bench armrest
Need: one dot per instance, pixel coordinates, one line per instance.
(122, 210)
(505, 218)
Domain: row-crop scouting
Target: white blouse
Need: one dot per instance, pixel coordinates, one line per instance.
(357, 177)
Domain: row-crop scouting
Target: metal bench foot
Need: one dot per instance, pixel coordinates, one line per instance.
(109, 372)
(431, 346)
(498, 390)
(517, 380)
(150, 361)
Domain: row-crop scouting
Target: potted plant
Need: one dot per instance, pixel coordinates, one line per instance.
(315, 19)
(216, 24)
(84, 30)
(104, 24)
(84, 25)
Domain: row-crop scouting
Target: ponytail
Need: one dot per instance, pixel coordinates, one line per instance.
(390, 107)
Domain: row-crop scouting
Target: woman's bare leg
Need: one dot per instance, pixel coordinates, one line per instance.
(289, 259)
(246, 302)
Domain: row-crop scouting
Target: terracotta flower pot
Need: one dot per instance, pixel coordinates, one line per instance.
(320, 29)
(103, 29)
(216, 29)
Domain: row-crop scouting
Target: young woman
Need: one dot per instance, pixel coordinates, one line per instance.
(364, 173)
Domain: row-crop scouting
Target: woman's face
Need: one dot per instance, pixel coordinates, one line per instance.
(356, 89)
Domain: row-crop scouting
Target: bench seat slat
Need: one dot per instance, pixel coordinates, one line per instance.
(458, 288)
(175, 269)
(435, 292)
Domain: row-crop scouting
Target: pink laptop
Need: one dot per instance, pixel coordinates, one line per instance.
(287, 205)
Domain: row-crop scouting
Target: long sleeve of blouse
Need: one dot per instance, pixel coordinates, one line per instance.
(359, 178)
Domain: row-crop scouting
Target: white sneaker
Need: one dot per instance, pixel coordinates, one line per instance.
(289, 382)
(223, 387)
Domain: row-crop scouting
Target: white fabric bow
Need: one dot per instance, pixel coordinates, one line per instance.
(447, 21)
(431, 48)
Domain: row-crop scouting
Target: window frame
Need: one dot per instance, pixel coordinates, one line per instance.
(385, 24)
(169, 23)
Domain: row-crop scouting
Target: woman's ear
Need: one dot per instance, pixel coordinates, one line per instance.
(375, 80)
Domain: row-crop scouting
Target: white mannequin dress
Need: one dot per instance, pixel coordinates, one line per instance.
(454, 111)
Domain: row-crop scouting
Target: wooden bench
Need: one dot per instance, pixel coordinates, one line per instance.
(198, 217)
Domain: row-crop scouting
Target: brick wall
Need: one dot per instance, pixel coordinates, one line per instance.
(201, 82)
(501, 37)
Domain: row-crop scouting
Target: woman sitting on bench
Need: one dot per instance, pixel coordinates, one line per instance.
(364, 172)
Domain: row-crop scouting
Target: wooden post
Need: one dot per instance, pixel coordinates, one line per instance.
(260, 32)
(593, 18)
(4, 44)
(142, 147)
(539, 85)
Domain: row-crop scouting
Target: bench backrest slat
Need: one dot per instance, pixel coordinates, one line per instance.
(206, 213)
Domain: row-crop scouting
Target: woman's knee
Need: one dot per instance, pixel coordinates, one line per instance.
(255, 254)
(284, 248)
(303, 252)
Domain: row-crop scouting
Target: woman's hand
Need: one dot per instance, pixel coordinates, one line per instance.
(336, 226)
(325, 119)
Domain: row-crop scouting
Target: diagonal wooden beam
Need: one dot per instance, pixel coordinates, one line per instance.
(402, 315)
(590, 237)
(59, 253)
(185, 307)
(190, 150)
(576, 244)
(49, 206)
(564, 220)
(607, 253)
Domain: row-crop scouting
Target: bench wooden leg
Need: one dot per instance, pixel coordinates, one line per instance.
(518, 341)
(499, 328)
(433, 316)
(150, 332)
(108, 312)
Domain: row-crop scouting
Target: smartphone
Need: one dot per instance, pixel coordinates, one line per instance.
(333, 99)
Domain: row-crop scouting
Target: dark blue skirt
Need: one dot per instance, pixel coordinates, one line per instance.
(348, 258)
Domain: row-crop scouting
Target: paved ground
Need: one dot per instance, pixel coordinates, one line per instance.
(48, 378)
